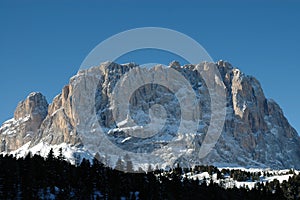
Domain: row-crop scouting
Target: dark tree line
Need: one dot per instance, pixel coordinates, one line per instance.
(35, 177)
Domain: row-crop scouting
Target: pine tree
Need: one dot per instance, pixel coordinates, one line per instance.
(150, 169)
(128, 163)
(97, 158)
(120, 165)
(60, 156)
(50, 156)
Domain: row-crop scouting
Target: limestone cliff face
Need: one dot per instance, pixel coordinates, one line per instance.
(58, 126)
(255, 129)
(255, 132)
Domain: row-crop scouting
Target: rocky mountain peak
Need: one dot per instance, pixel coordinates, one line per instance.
(256, 132)
(225, 64)
(26, 123)
(175, 64)
(35, 105)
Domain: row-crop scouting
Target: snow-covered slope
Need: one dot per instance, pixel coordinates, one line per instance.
(228, 182)
(70, 153)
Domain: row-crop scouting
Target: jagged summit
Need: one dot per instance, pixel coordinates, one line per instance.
(27, 120)
(34, 105)
(255, 133)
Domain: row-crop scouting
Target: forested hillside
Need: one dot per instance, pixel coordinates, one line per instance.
(35, 177)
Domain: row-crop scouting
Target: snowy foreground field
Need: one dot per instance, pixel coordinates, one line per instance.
(227, 181)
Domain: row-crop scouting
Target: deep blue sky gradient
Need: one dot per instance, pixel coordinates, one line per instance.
(42, 43)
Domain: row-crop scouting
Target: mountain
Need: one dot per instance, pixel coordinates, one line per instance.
(86, 117)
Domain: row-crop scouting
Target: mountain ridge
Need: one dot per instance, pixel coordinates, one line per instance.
(255, 133)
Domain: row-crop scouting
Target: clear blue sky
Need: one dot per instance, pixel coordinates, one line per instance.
(42, 43)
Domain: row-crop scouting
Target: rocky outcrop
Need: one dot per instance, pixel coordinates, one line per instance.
(255, 132)
(26, 123)
(58, 127)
